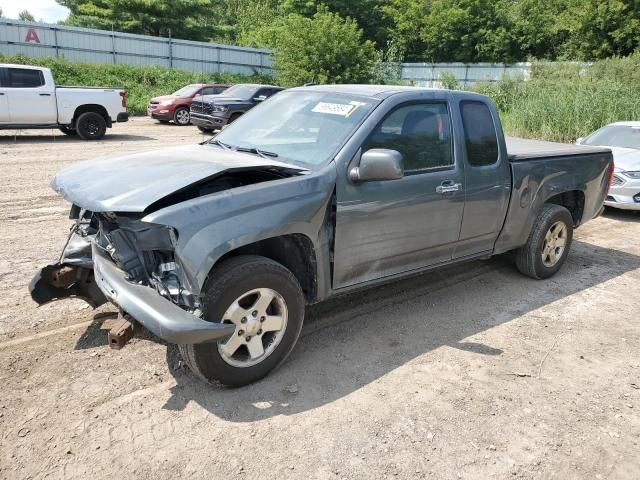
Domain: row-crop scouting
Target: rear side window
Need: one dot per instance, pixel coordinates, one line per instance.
(24, 78)
(480, 135)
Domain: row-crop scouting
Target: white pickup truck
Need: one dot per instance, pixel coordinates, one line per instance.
(29, 98)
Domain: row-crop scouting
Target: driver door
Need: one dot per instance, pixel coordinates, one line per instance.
(390, 227)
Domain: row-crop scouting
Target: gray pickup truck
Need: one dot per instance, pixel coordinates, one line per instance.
(316, 192)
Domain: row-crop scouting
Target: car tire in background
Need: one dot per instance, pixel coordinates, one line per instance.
(234, 117)
(68, 131)
(205, 130)
(265, 302)
(91, 126)
(182, 116)
(548, 244)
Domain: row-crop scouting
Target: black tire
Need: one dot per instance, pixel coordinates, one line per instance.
(205, 130)
(529, 258)
(91, 126)
(179, 117)
(68, 131)
(230, 281)
(164, 122)
(234, 117)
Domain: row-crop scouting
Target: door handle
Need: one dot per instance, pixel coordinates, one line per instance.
(1, 93)
(45, 94)
(448, 186)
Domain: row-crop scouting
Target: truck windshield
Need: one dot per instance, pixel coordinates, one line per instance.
(615, 136)
(244, 92)
(304, 127)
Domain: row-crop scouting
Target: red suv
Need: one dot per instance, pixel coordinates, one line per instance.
(176, 106)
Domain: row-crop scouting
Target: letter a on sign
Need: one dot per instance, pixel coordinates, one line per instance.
(32, 36)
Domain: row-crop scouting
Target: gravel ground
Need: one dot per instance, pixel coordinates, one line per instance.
(470, 372)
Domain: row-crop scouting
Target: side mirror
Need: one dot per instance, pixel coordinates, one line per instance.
(579, 141)
(378, 164)
(261, 98)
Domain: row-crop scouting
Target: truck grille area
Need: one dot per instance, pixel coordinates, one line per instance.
(145, 252)
(202, 107)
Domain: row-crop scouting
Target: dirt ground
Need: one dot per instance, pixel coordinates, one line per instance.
(473, 372)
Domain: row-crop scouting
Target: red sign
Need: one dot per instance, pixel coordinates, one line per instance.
(32, 36)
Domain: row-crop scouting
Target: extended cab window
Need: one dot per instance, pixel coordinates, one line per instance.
(421, 132)
(479, 133)
(24, 78)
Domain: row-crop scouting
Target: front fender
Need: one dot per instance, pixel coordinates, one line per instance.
(213, 225)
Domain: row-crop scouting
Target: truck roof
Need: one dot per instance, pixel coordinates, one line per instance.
(15, 65)
(382, 91)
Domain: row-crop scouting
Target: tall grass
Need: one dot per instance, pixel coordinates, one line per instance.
(141, 83)
(564, 101)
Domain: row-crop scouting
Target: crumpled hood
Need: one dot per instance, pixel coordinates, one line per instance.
(131, 183)
(626, 158)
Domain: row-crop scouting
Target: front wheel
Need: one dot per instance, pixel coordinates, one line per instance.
(264, 301)
(182, 116)
(205, 130)
(91, 126)
(548, 244)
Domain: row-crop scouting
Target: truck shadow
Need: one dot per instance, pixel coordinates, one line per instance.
(352, 341)
(6, 138)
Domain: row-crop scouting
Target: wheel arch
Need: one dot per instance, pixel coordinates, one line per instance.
(572, 200)
(91, 107)
(294, 251)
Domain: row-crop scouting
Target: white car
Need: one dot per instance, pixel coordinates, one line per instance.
(623, 138)
(29, 98)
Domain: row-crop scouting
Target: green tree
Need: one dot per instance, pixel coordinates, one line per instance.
(26, 16)
(323, 49)
(601, 29)
(187, 19)
(453, 30)
(537, 29)
(368, 14)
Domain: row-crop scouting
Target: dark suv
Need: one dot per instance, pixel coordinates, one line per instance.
(212, 112)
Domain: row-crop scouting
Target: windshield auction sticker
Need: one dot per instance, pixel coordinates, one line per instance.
(344, 110)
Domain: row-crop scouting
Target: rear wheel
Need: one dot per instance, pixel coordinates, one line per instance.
(181, 116)
(548, 244)
(265, 303)
(91, 126)
(68, 131)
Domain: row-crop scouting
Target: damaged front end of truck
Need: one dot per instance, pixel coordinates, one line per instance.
(131, 263)
(117, 253)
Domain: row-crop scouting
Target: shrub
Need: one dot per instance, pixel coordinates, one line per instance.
(564, 101)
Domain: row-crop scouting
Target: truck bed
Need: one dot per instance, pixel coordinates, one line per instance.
(522, 149)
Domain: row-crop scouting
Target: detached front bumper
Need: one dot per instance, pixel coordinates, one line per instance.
(154, 312)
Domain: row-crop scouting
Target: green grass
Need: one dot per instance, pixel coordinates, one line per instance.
(141, 83)
(564, 101)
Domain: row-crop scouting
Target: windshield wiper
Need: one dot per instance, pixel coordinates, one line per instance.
(257, 151)
(220, 144)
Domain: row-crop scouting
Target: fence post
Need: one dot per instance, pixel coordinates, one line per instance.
(55, 39)
(113, 44)
(170, 50)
